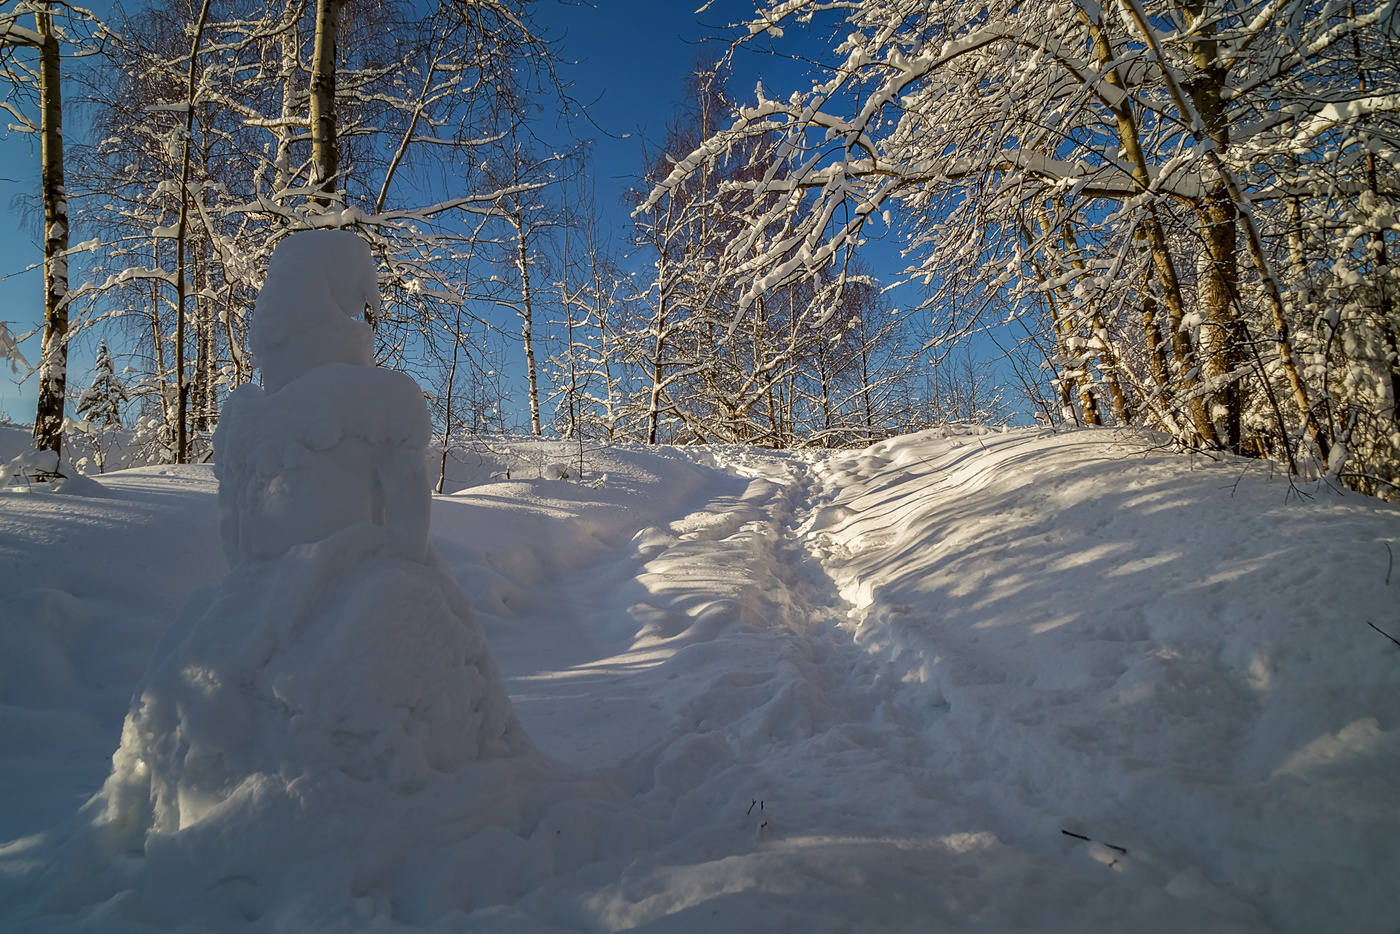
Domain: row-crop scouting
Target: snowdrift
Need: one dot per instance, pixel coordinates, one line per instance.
(869, 690)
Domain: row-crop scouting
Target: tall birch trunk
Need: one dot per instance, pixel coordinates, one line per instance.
(1183, 351)
(53, 366)
(527, 317)
(1071, 382)
(289, 46)
(182, 386)
(325, 152)
(1222, 340)
(447, 414)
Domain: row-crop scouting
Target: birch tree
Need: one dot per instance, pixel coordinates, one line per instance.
(44, 78)
(234, 141)
(1139, 143)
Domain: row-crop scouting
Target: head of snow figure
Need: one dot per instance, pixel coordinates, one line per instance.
(318, 283)
(330, 440)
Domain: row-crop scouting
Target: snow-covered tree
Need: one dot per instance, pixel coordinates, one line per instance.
(207, 158)
(1129, 166)
(771, 367)
(587, 371)
(102, 401)
(42, 79)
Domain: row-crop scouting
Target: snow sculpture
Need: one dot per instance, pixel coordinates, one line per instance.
(331, 439)
(337, 670)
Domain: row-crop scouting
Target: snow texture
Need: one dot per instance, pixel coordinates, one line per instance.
(956, 681)
(331, 439)
(336, 680)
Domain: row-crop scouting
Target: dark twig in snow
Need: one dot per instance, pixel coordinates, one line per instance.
(1383, 632)
(1390, 563)
(1080, 836)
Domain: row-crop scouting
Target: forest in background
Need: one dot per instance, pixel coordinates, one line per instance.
(1177, 215)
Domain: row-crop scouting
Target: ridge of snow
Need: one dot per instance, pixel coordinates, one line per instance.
(867, 689)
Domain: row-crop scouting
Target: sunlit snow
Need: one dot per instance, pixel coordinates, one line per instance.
(957, 681)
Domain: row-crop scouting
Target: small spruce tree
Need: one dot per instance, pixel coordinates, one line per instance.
(100, 406)
(101, 402)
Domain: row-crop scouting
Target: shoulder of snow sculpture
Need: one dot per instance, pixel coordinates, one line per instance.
(340, 445)
(332, 440)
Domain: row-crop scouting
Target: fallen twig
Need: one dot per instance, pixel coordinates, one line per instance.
(1383, 632)
(1080, 836)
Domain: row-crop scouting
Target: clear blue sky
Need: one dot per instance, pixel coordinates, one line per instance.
(626, 58)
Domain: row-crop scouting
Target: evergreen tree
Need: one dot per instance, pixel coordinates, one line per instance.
(101, 402)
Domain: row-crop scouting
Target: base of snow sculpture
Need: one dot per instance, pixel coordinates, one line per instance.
(330, 708)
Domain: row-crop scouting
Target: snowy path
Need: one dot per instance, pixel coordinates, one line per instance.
(588, 648)
(925, 659)
(918, 658)
(744, 682)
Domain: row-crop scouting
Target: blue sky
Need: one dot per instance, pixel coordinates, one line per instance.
(626, 59)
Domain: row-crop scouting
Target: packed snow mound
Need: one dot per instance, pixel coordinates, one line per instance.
(338, 657)
(318, 283)
(300, 730)
(341, 444)
(337, 674)
(20, 470)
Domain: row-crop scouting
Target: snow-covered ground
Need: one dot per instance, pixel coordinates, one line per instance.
(861, 691)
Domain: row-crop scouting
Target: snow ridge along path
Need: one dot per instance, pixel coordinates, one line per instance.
(870, 690)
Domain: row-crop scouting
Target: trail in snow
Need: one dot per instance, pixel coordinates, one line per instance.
(863, 690)
(590, 646)
(745, 683)
(921, 655)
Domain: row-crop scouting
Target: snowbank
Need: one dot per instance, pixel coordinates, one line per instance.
(306, 726)
(863, 691)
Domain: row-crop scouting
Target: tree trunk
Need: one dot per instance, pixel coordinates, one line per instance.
(158, 340)
(527, 315)
(325, 152)
(1152, 332)
(53, 365)
(447, 414)
(663, 295)
(1070, 381)
(200, 381)
(1182, 350)
(1097, 328)
(288, 43)
(1222, 340)
(657, 374)
(182, 385)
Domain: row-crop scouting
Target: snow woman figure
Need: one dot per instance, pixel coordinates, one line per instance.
(330, 440)
(330, 698)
